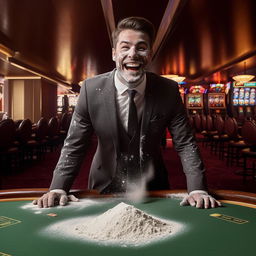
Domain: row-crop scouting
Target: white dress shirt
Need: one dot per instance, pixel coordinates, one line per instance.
(122, 100)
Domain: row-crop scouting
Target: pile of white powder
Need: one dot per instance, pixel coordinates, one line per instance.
(124, 224)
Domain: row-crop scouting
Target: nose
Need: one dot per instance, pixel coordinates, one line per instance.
(132, 53)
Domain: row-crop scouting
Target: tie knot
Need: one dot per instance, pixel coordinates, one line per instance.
(131, 93)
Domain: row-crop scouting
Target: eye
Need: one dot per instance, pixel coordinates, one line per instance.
(141, 48)
(125, 47)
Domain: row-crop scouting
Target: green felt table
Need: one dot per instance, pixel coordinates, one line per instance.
(229, 230)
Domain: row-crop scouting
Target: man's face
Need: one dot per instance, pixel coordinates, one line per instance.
(131, 54)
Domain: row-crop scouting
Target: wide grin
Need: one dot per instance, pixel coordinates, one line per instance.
(132, 66)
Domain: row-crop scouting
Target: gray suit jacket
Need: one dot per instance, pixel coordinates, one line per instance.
(96, 113)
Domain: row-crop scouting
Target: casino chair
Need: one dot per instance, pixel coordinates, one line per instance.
(23, 137)
(236, 142)
(221, 138)
(53, 136)
(9, 152)
(210, 130)
(64, 125)
(249, 153)
(199, 128)
(39, 141)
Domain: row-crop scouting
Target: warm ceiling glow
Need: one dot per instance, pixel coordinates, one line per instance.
(169, 76)
(175, 78)
(243, 78)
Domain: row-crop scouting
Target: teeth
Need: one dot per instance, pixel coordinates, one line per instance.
(133, 65)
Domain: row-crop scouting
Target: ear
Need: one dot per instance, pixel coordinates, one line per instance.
(113, 54)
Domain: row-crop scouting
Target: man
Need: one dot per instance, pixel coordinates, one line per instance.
(128, 151)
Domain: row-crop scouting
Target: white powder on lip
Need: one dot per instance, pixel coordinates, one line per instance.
(126, 225)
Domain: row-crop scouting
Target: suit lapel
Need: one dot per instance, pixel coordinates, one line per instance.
(111, 109)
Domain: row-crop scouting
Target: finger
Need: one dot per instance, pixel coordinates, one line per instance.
(72, 198)
(218, 203)
(63, 200)
(200, 202)
(51, 199)
(40, 202)
(45, 201)
(206, 202)
(215, 203)
(184, 201)
(191, 201)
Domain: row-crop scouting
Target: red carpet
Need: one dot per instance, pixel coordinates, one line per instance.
(38, 174)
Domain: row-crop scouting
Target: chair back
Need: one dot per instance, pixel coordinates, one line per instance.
(231, 127)
(24, 131)
(219, 124)
(7, 133)
(209, 123)
(198, 122)
(53, 127)
(249, 132)
(191, 121)
(203, 122)
(41, 128)
(17, 123)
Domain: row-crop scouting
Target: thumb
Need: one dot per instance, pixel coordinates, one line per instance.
(34, 201)
(184, 201)
(72, 198)
(63, 200)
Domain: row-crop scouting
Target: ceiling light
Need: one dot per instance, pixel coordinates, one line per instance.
(175, 78)
(243, 78)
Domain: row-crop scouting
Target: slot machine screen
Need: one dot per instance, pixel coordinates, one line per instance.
(241, 97)
(219, 88)
(244, 94)
(216, 100)
(72, 100)
(252, 100)
(59, 100)
(194, 101)
(235, 96)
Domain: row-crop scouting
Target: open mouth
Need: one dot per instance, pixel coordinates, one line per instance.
(132, 66)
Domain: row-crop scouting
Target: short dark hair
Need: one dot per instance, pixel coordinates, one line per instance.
(135, 23)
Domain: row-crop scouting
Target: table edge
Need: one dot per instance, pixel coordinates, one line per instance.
(232, 195)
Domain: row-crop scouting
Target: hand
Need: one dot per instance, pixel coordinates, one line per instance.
(200, 200)
(51, 199)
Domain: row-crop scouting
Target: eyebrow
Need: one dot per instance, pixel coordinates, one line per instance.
(140, 42)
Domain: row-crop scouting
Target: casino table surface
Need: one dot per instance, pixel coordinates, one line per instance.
(229, 230)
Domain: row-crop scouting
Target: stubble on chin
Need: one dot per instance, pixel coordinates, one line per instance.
(130, 80)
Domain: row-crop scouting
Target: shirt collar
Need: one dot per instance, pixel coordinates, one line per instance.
(122, 88)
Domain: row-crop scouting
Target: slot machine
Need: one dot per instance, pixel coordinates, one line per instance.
(243, 100)
(72, 99)
(59, 104)
(182, 92)
(216, 99)
(194, 100)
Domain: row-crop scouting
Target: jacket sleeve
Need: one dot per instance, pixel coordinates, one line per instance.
(187, 148)
(75, 145)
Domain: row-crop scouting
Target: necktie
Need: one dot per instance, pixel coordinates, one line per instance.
(132, 117)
